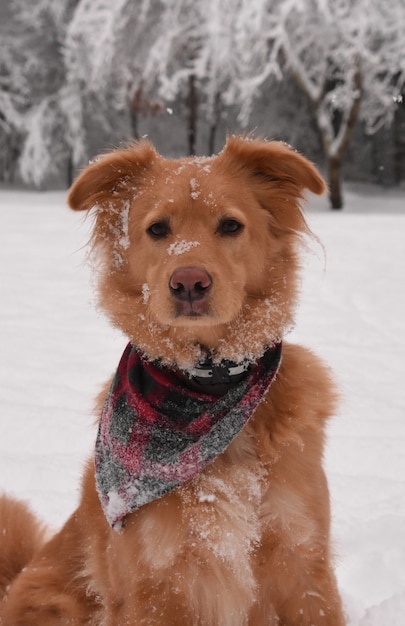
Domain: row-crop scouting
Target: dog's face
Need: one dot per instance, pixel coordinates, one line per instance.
(198, 253)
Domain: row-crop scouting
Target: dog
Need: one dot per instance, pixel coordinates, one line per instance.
(205, 502)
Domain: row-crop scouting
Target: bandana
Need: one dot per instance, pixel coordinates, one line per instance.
(155, 434)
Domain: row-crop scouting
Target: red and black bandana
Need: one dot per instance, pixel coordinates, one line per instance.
(155, 433)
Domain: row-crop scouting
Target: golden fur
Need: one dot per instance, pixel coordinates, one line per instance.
(256, 550)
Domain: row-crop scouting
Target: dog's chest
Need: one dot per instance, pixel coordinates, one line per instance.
(226, 519)
(218, 514)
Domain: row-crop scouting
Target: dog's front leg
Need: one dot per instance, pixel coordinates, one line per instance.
(297, 585)
(304, 593)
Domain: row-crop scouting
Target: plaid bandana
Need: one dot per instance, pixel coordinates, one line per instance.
(155, 434)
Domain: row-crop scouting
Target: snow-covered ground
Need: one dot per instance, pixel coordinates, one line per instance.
(56, 350)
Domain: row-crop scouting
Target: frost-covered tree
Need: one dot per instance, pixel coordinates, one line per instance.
(89, 67)
(13, 95)
(171, 58)
(12, 100)
(346, 56)
(44, 150)
(104, 52)
(146, 55)
(36, 51)
(194, 59)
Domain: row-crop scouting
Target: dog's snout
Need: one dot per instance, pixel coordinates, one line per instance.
(190, 283)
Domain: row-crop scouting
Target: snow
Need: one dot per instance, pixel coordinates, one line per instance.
(353, 315)
(56, 351)
(145, 293)
(195, 188)
(124, 239)
(206, 497)
(181, 247)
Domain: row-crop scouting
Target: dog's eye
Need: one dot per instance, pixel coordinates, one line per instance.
(159, 230)
(229, 227)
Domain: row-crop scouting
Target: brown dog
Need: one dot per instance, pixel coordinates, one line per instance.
(210, 505)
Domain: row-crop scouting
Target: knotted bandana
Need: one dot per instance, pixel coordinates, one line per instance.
(155, 433)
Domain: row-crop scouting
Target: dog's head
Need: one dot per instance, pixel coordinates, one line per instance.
(198, 253)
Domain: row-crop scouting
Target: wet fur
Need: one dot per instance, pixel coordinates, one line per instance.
(247, 542)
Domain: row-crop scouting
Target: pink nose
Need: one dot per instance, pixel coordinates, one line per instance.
(190, 284)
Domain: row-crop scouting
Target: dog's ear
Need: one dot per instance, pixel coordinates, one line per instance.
(275, 161)
(278, 176)
(114, 174)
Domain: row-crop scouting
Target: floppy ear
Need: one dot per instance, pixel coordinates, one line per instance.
(114, 174)
(278, 176)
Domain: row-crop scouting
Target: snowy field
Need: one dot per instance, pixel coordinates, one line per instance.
(56, 350)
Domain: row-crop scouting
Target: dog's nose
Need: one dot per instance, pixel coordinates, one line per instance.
(190, 283)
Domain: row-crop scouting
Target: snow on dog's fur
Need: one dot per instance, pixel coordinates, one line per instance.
(246, 542)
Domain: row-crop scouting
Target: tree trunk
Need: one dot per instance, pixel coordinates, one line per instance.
(215, 116)
(332, 130)
(211, 137)
(134, 122)
(70, 169)
(12, 154)
(335, 163)
(192, 104)
(335, 182)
